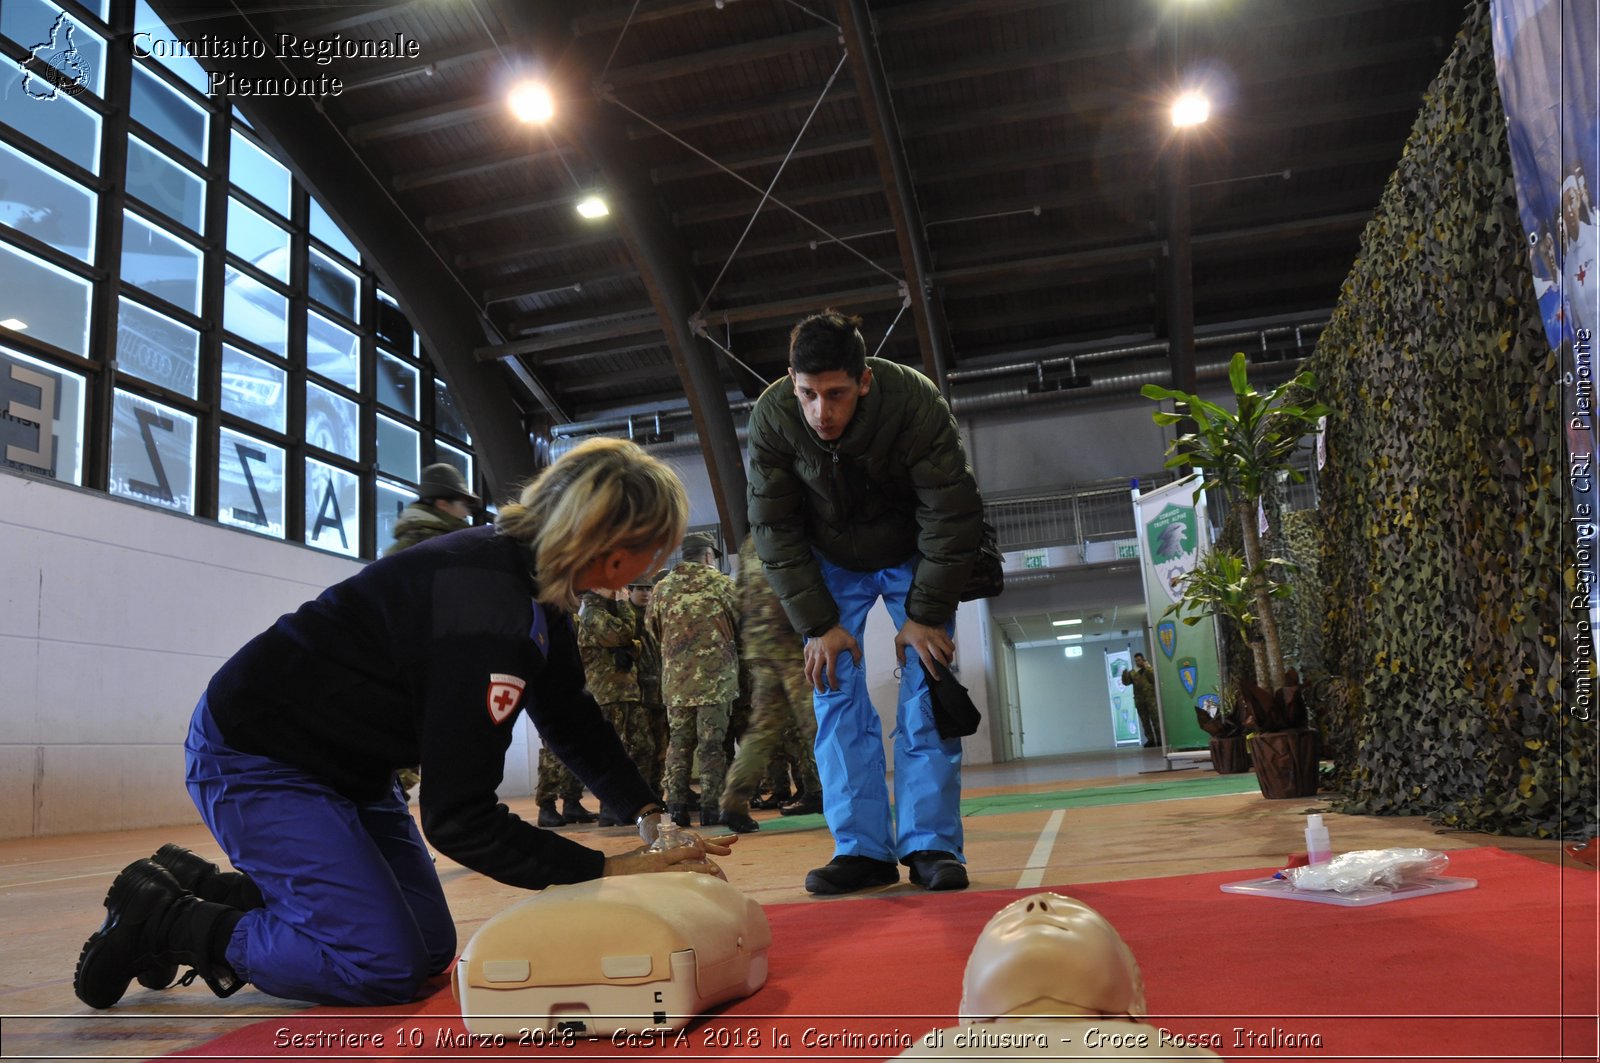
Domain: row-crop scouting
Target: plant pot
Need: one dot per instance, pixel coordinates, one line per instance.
(1286, 762)
(1230, 756)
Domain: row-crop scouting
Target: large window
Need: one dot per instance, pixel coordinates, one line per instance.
(307, 415)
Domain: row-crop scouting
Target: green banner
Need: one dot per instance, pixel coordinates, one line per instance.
(1172, 536)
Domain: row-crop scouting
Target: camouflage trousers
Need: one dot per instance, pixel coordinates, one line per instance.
(1148, 723)
(555, 779)
(656, 714)
(780, 699)
(696, 731)
(628, 719)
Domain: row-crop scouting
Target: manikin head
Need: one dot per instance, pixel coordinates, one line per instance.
(828, 368)
(1050, 955)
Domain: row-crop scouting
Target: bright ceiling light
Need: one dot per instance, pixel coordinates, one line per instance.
(1065, 623)
(1067, 638)
(593, 207)
(531, 101)
(15, 324)
(1190, 109)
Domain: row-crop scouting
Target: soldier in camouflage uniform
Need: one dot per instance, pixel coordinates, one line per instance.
(695, 617)
(780, 697)
(610, 667)
(443, 505)
(649, 669)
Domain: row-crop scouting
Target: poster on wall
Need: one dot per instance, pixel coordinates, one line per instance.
(1124, 718)
(1173, 534)
(1547, 64)
(41, 418)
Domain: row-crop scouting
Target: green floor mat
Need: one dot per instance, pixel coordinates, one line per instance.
(1153, 789)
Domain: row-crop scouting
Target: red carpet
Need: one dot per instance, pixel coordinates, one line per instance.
(1507, 970)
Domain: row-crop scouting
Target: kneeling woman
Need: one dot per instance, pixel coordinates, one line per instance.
(423, 657)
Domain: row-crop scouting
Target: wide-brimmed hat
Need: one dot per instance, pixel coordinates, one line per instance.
(445, 481)
(695, 542)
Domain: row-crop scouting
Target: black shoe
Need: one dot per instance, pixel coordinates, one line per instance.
(207, 881)
(574, 812)
(609, 818)
(846, 874)
(739, 822)
(777, 800)
(934, 869)
(548, 816)
(809, 805)
(710, 817)
(678, 814)
(152, 922)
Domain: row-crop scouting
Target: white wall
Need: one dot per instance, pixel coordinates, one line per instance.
(1066, 705)
(113, 617)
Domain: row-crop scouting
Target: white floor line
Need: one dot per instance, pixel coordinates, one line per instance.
(1033, 874)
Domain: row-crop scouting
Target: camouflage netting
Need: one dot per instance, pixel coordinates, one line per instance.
(1442, 502)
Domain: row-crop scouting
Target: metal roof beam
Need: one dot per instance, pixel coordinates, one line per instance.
(741, 207)
(866, 64)
(878, 295)
(474, 166)
(745, 160)
(556, 336)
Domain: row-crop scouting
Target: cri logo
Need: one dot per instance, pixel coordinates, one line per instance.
(505, 693)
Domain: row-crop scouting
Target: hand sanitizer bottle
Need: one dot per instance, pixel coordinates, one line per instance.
(1317, 846)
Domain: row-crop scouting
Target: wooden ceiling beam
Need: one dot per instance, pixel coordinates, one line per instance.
(505, 208)
(743, 204)
(426, 65)
(535, 284)
(877, 295)
(425, 120)
(476, 166)
(569, 334)
(494, 254)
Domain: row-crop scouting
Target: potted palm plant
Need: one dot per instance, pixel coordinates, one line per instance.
(1238, 453)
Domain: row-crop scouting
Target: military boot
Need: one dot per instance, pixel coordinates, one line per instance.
(208, 882)
(151, 921)
(679, 814)
(548, 816)
(572, 811)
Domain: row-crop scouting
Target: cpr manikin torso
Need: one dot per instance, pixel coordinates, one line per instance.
(1049, 976)
(632, 953)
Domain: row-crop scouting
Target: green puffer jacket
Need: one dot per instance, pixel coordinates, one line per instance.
(895, 485)
(420, 521)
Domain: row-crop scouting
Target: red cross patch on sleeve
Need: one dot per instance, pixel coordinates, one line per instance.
(505, 694)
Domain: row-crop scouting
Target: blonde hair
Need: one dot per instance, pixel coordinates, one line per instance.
(602, 495)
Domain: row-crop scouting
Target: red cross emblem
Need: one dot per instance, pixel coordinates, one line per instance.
(505, 694)
(1583, 271)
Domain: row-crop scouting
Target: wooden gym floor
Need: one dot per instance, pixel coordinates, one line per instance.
(52, 889)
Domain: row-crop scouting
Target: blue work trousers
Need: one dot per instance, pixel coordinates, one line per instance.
(354, 910)
(849, 746)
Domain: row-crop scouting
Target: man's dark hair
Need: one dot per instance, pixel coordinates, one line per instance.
(828, 341)
(1138, 656)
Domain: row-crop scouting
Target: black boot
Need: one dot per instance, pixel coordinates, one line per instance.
(572, 811)
(710, 817)
(151, 921)
(679, 814)
(548, 816)
(739, 822)
(208, 882)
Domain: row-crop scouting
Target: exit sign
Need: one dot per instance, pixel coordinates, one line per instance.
(1127, 548)
(1035, 558)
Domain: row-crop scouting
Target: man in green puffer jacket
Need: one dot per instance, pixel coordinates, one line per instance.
(860, 490)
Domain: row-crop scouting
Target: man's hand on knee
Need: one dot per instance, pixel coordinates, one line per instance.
(931, 643)
(822, 656)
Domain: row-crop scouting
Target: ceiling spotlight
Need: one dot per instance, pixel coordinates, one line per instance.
(15, 324)
(531, 102)
(1190, 109)
(593, 207)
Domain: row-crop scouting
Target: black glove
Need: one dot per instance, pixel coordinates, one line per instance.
(622, 659)
(954, 714)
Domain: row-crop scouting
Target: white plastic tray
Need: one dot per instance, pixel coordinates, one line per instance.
(1280, 887)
